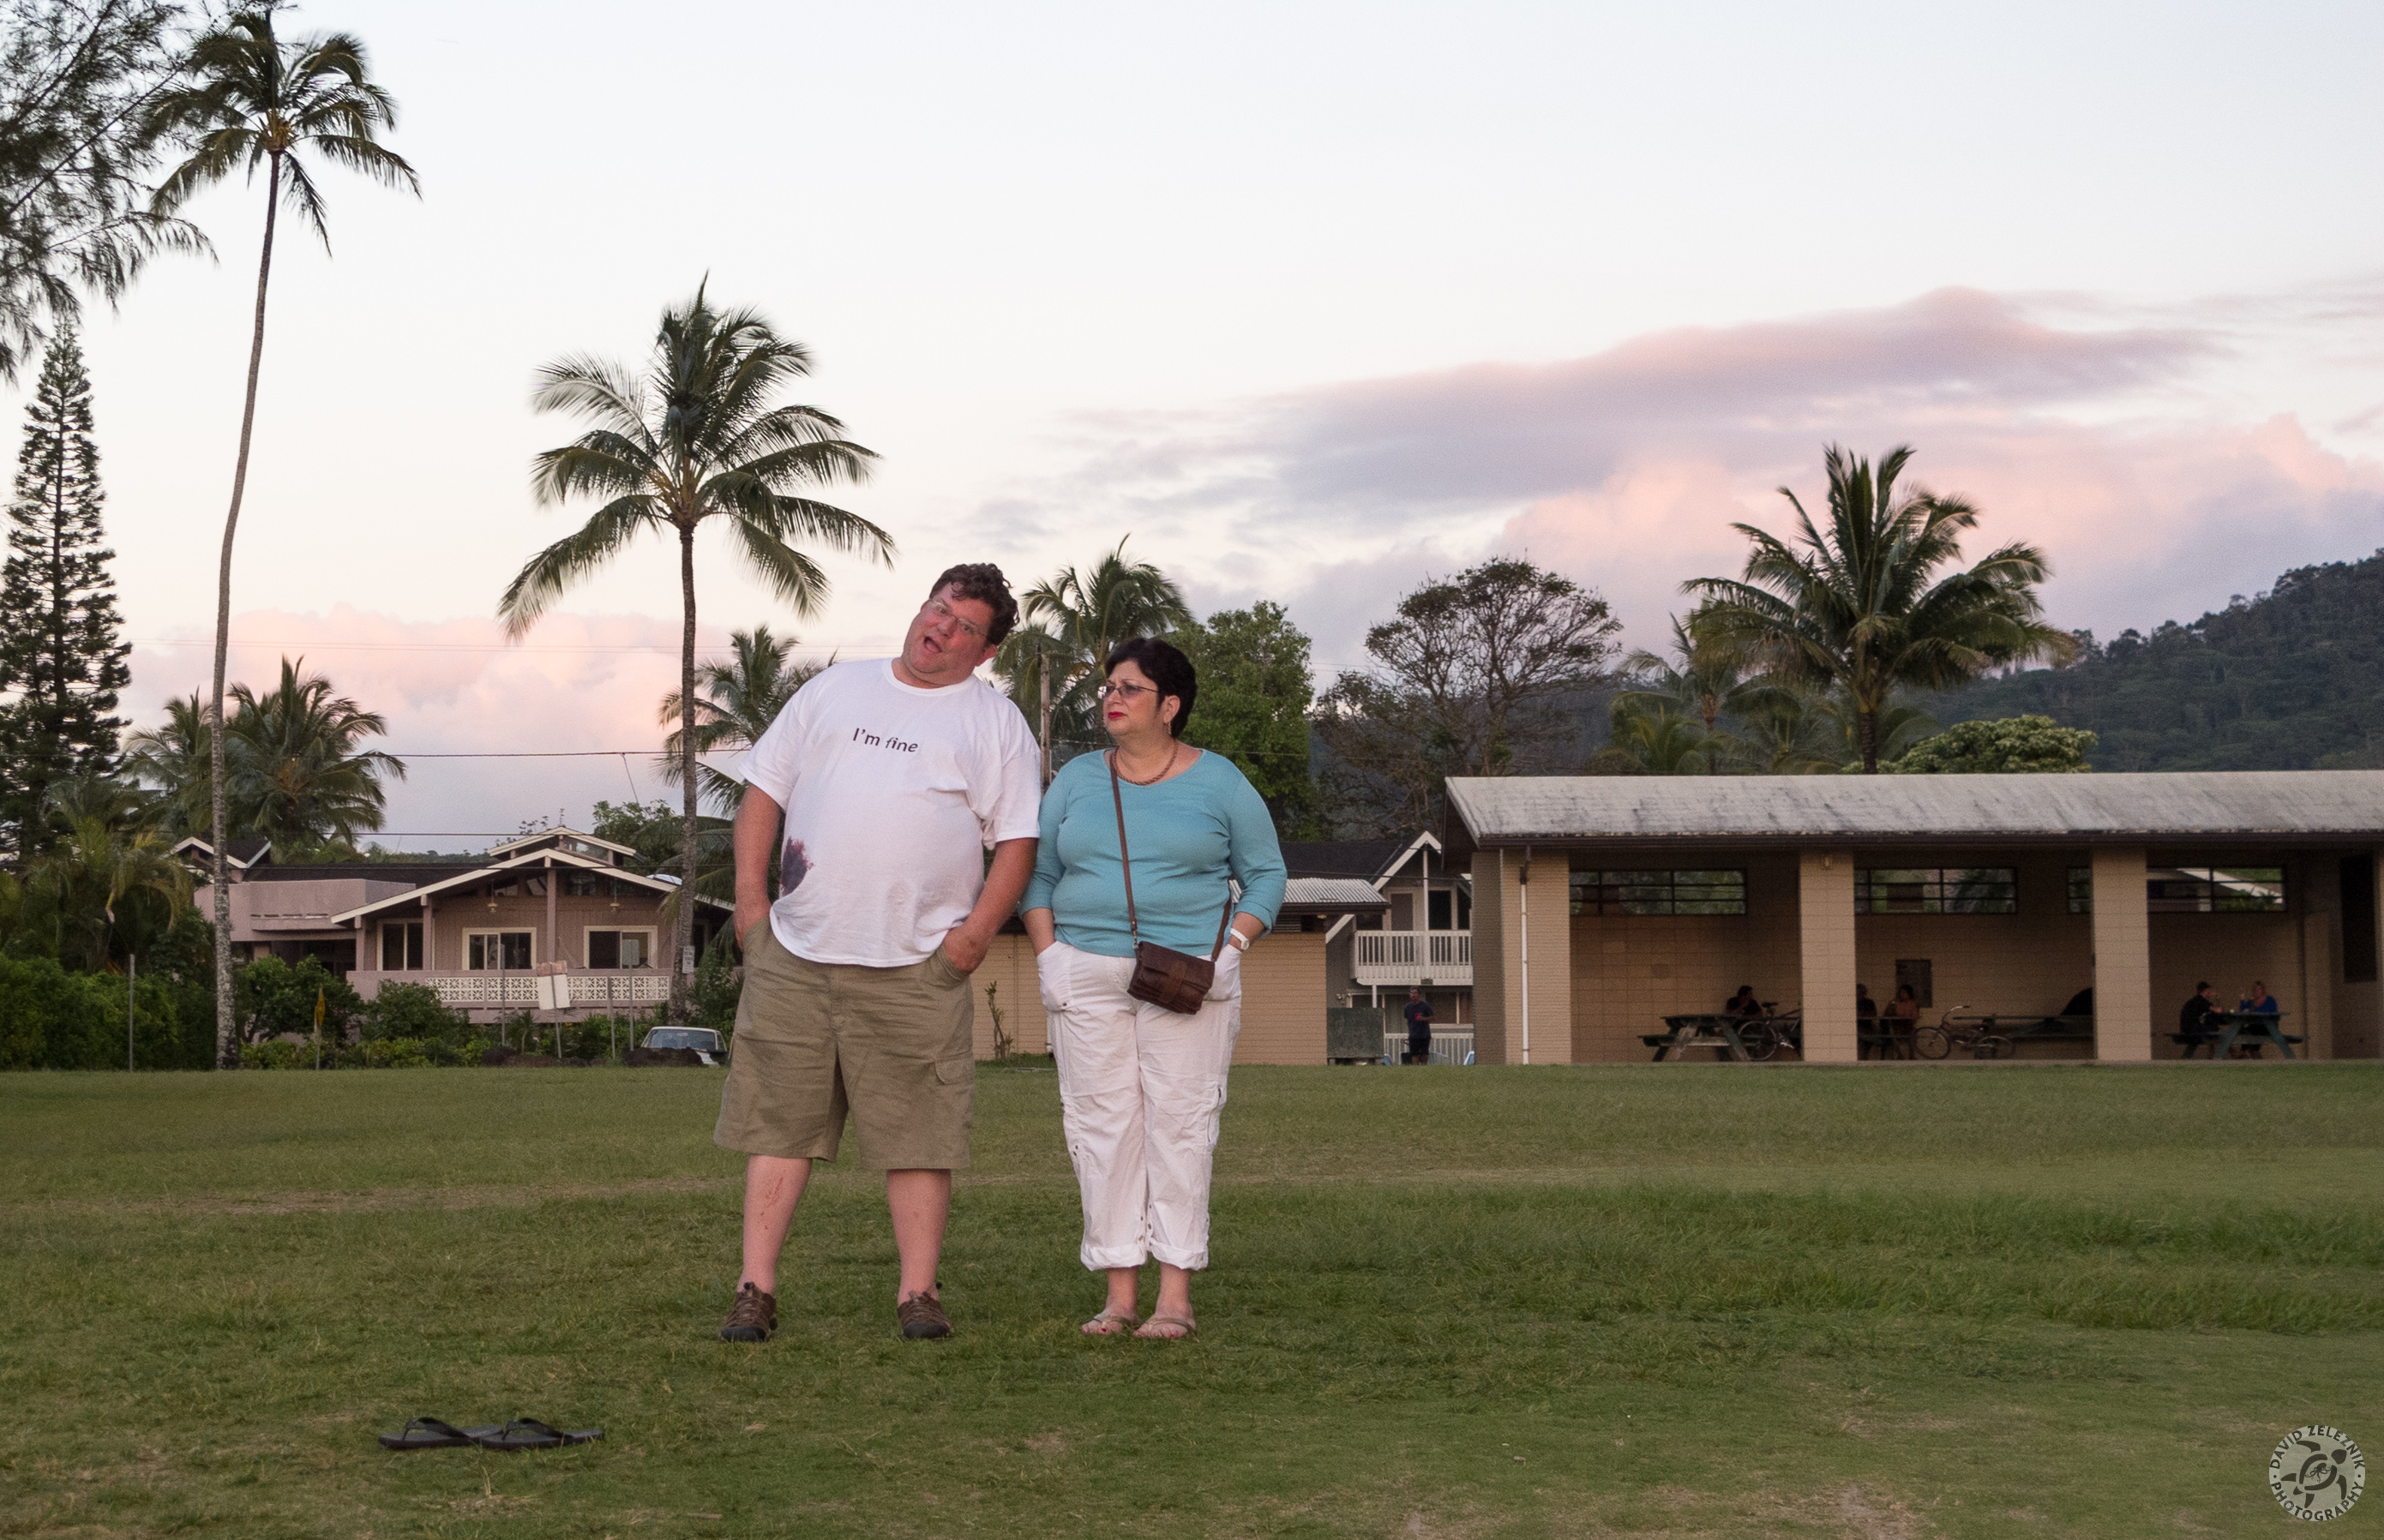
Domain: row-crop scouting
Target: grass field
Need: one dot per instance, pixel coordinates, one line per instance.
(1644, 1299)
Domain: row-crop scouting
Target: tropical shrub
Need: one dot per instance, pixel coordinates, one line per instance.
(275, 997)
(414, 1011)
(275, 1054)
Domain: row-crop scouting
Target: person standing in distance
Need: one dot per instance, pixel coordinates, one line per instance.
(1419, 1015)
(892, 776)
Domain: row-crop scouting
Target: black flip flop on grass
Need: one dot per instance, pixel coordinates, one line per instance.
(529, 1432)
(429, 1432)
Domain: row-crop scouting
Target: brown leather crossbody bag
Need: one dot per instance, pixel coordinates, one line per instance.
(1163, 976)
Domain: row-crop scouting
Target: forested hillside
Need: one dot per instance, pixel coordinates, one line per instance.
(2290, 680)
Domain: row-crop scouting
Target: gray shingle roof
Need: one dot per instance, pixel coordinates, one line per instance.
(2288, 805)
(1332, 895)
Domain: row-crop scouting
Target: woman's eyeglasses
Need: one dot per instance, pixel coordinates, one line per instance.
(1128, 690)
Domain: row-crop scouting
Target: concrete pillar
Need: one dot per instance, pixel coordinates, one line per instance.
(1825, 922)
(1522, 975)
(2316, 1009)
(2123, 967)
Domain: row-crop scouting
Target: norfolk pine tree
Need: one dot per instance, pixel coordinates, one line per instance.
(60, 657)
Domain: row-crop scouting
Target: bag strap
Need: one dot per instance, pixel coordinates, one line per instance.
(1125, 867)
(1125, 861)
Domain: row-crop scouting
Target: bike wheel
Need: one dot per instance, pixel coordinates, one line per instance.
(1759, 1040)
(1992, 1046)
(1932, 1043)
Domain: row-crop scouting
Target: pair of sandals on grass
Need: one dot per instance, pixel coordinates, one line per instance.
(522, 1433)
(1124, 1323)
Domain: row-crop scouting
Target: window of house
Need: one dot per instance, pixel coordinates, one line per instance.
(583, 884)
(2081, 890)
(2215, 890)
(401, 946)
(1444, 909)
(1937, 890)
(498, 949)
(1659, 893)
(620, 949)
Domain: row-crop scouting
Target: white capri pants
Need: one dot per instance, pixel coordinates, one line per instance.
(1141, 1092)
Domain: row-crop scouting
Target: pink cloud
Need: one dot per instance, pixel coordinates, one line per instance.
(577, 682)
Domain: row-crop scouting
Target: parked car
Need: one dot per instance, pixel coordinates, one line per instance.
(703, 1039)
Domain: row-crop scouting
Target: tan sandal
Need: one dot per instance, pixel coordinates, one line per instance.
(1111, 1323)
(1187, 1335)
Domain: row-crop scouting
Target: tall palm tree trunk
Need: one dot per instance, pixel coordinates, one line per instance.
(683, 930)
(227, 1035)
(1867, 723)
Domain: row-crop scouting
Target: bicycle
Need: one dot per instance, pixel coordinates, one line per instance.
(1765, 1036)
(1976, 1034)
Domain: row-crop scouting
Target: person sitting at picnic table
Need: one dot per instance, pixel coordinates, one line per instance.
(1743, 1004)
(1865, 1008)
(2194, 1026)
(1906, 1007)
(2256, 1001)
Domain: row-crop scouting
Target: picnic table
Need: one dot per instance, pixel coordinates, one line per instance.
(1718, 1030)
(2224, 1028)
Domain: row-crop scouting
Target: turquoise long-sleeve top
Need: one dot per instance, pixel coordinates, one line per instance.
(1187, 834)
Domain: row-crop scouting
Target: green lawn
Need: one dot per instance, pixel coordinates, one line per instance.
(1641, 1299)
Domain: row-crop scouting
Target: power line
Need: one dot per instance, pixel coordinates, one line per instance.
(442, 647)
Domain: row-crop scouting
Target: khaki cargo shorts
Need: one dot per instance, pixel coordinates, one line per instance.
(891, 1044)
(816, 1041)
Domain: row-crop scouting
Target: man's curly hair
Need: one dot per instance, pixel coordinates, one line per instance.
(983, 581)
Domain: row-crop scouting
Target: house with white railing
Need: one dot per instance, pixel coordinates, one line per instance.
(1424, 939)
(551, 923)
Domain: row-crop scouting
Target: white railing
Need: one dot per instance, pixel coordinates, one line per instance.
(1448, 1047)
(568, 990)
(1401, 957)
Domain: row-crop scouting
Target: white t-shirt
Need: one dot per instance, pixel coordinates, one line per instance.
(891, 793)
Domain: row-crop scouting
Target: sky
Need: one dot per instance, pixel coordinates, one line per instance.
(1306, 301)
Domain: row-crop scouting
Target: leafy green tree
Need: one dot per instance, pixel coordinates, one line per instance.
(252, 98)
(2010, 745)
(737, 699)
(305, 780)
(697, 438)
(62, 652)
(1255, 695)
(78, 138)
(1861, 607)
(1073, 620)
(1478, 675)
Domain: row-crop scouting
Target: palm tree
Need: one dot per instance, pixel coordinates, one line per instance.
(696, 437)
(1702, 678)
(303, 781)
(173, 761)
(1073, 618)
(1661, 739)
(737, 699)
(256, 99)
(1861, 609)
(98, 855)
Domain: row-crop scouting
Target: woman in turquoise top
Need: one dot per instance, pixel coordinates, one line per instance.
(1142, 1087)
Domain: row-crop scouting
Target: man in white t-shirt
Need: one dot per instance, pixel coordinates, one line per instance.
(892, 776)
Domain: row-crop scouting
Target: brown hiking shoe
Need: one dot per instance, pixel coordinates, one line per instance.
(922, 1316)
(755, 1317)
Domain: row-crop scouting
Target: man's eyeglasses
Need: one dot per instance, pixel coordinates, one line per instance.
(1128, 690)
(944, 616)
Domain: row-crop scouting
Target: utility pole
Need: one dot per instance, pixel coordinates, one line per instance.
(1043, 688)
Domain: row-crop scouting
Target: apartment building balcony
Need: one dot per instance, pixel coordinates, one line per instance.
(1398, 958)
